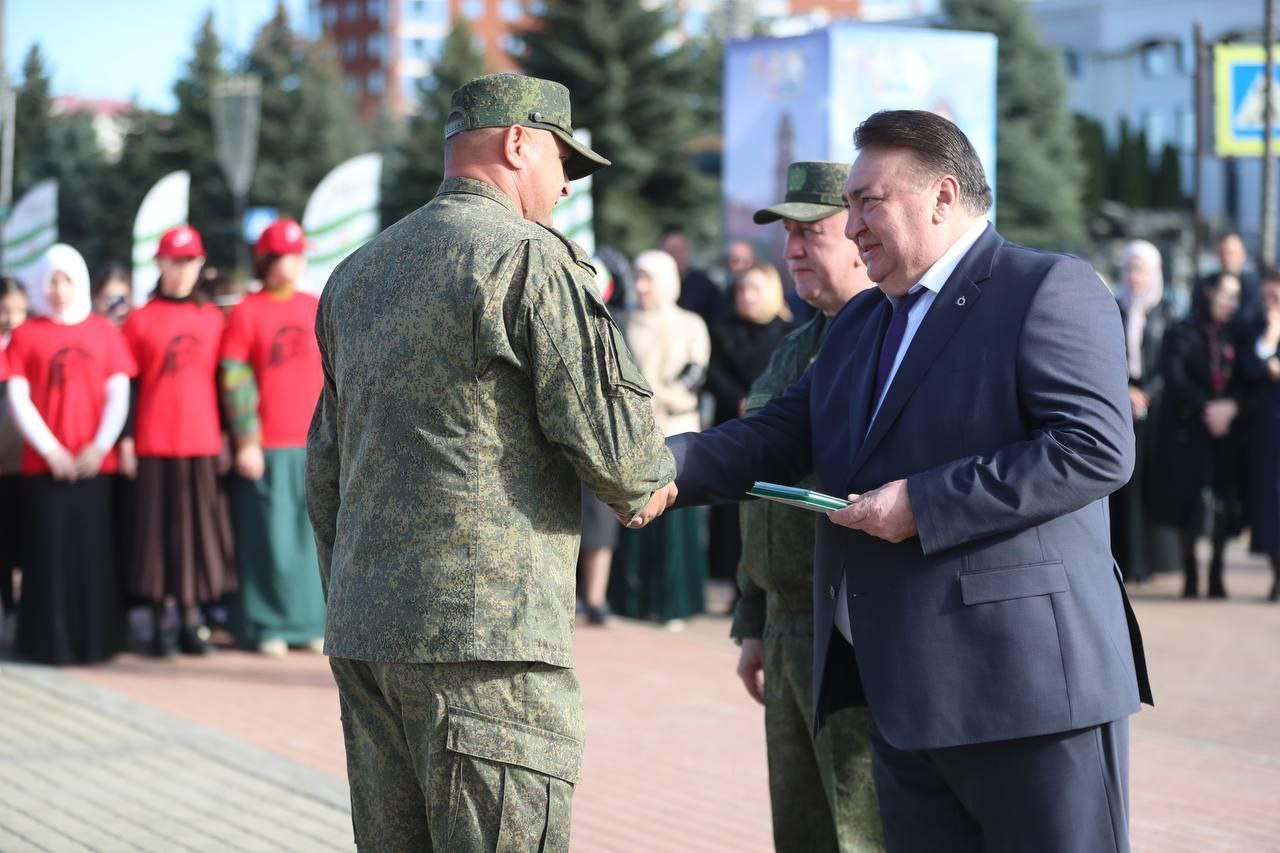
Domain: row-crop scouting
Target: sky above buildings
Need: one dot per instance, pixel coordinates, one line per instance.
(126, 49)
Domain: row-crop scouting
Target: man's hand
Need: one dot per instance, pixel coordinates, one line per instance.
(1139, 402)
(751, 668)
(885, 513)
(657, 505)
(89, 462)
(61, 464)
(250, 463)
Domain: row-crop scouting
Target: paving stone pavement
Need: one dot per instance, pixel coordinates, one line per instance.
(241, 752)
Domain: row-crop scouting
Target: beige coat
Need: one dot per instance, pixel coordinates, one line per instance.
(669, 344)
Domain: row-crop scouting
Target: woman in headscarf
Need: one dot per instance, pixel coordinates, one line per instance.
(661, 570)
(271, 379)
(1139, 546)
(69, 395)
(182, 532)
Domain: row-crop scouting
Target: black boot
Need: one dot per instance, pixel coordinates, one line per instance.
(1189, 584)
(163, 643)
(1216, 589)
(194, 640)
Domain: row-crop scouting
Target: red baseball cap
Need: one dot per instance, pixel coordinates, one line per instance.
(181, 242)
(282, 237)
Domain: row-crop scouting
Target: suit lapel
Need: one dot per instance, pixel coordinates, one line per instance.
(950, 307)
(862, 374)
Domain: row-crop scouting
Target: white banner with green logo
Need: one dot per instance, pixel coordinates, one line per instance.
(30, 230)
(575, 214)
(165, 206)
(341, 216)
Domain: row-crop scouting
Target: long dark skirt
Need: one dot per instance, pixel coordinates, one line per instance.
(280, 596)
(71, 608)
(1140, 546)
(11, 487)
(660, 571)
(182, 532)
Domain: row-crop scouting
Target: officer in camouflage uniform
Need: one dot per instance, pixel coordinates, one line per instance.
(821, 788)
(472, 378)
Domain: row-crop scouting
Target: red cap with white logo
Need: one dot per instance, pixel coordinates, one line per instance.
(282, 237)
(181, 242)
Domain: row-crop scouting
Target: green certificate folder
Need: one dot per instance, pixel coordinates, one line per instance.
(801, 498)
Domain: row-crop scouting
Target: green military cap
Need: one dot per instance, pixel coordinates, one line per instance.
(815, 190)
(501, 100)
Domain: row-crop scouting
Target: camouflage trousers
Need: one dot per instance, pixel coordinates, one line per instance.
(477, 756)
(821, 789)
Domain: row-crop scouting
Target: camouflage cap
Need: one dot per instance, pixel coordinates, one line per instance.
(505, 99)
(815, 190)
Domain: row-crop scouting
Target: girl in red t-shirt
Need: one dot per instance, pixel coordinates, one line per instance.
(182, 532)
(69, 395)
(271, 379)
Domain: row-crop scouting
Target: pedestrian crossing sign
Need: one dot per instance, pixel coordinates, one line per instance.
(1240, 99)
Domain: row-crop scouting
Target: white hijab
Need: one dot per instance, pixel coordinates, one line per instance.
(62, 258)
(1138, 305)
(664, 277)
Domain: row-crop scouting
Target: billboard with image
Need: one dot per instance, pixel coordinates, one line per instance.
(788, 99)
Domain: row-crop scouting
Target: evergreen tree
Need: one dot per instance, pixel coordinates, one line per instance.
(1166, 181)
(1092, 140)
(416, 166)
(73, 157)
(1038, 166)
(188, 144)
(308, 122)
(1131, 169)
(144, 158)
(31, 122)
(643, 104)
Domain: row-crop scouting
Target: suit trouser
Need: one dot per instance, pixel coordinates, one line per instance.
(1058, 793)
(821, 788)
(460, 757)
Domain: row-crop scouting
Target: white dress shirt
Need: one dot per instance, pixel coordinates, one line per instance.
(932, 281)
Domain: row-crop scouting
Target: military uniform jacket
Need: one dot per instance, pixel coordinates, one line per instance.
(471, 378)
(775, 573)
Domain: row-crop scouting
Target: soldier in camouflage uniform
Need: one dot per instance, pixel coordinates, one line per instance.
(472, 377)
(821, 788)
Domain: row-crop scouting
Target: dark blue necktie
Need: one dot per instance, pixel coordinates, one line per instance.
(893, 340)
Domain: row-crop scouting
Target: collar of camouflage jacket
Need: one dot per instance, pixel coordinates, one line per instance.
(472, 186)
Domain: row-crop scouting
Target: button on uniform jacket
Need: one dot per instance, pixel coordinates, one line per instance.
(1009, 418)
(472, 377)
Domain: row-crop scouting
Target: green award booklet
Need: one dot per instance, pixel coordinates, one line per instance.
(801, 498)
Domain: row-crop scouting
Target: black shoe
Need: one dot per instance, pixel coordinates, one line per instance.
(1189, 588)
(1275, 591)
(598, 614)
(163, 644)
(1216, 589)
(195, 641)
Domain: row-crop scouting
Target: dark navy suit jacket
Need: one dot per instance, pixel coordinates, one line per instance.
(1009, 418)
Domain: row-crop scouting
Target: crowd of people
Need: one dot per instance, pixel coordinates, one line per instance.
(1203, 393)
(153, 457)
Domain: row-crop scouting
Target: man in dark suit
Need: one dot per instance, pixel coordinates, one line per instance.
(975, 409)
(1233, 258)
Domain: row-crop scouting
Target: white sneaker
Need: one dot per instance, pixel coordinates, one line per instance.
(275, 648)
(316, 645)
(674, 625)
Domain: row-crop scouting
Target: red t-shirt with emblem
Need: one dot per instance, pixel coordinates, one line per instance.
(176, 346)
(67, 368)
(276, 337)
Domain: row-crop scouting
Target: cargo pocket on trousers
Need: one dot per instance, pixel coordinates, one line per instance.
(512, 784)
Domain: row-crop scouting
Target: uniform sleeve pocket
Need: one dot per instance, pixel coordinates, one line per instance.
(623, 373)
(1013, 582)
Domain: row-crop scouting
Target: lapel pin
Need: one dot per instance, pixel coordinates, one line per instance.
(960, 301)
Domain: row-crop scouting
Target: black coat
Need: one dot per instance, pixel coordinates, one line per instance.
(1185, 459)
(1264, 446)
(740, 352)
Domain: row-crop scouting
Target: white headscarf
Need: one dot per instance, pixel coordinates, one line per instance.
(62, 258)
(1138, 305)
(663, 273)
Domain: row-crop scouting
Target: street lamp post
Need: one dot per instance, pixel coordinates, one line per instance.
(235, 108)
